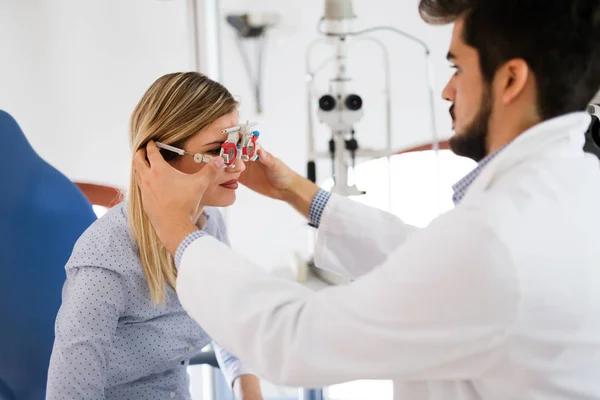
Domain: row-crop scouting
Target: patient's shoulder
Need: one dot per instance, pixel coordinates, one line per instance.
(214, 214)
(107, 243)
(216, 224)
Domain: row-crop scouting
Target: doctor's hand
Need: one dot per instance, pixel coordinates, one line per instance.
(271, 177)
(268, 176)
(170, 197)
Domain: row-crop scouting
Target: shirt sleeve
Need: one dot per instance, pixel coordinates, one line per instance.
(93, 299)
(189, 239)
(231, 366)
(317, 206)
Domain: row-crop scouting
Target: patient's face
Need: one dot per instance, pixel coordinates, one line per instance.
(222, 192)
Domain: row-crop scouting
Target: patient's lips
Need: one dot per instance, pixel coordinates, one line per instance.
(232, 184)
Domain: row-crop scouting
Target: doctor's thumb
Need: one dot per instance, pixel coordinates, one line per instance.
(210, 172)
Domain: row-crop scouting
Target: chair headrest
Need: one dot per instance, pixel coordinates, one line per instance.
(18, 151)
(20, 165)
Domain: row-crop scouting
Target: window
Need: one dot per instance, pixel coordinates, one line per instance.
(419, 187)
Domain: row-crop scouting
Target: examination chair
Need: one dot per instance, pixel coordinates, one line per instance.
(42, 213)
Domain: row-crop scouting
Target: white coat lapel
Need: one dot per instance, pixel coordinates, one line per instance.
(557, 137)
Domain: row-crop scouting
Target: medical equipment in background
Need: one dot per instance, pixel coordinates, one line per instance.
(592, 136)
(339, 108)
(253, 26)
(242, 143)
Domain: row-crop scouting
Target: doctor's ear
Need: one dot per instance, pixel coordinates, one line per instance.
(511, 79)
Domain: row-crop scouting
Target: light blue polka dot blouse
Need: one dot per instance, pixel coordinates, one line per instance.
(111, 341)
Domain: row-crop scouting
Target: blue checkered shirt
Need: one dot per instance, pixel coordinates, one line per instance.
(184, 245)
(317, 207)
(460, 187)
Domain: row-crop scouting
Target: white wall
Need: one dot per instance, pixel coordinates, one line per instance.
(71, 72)
(270, 239)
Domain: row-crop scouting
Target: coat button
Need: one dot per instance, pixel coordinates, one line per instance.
(172, 395)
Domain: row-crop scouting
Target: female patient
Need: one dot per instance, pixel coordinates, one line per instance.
(121, 332)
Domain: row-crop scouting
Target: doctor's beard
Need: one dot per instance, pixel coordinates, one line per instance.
(472, 141)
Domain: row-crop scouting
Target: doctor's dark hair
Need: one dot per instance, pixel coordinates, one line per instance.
(174, 108)
(558, 39)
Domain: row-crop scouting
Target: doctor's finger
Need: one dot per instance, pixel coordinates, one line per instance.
(265, 157)
(209, 173)
(141, 181)
(154, 157)
(140, 164)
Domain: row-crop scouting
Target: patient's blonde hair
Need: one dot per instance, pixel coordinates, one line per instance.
(173, 109)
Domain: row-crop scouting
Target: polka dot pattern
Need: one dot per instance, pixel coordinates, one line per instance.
(111, 341)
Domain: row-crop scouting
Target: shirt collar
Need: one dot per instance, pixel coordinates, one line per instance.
(460, 187)
(573, 124)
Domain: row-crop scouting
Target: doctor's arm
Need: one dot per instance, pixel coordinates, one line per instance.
(347, 229)
(438, 308)
(86, 323)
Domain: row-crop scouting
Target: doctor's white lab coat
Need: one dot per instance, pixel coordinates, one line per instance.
(498, 299)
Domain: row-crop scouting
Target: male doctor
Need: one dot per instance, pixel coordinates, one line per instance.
(497, 299)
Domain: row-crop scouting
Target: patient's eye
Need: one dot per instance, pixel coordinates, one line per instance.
(215, 150)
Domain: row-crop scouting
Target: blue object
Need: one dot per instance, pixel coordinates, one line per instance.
(312, 394)
(42, 213)
(256, 133)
